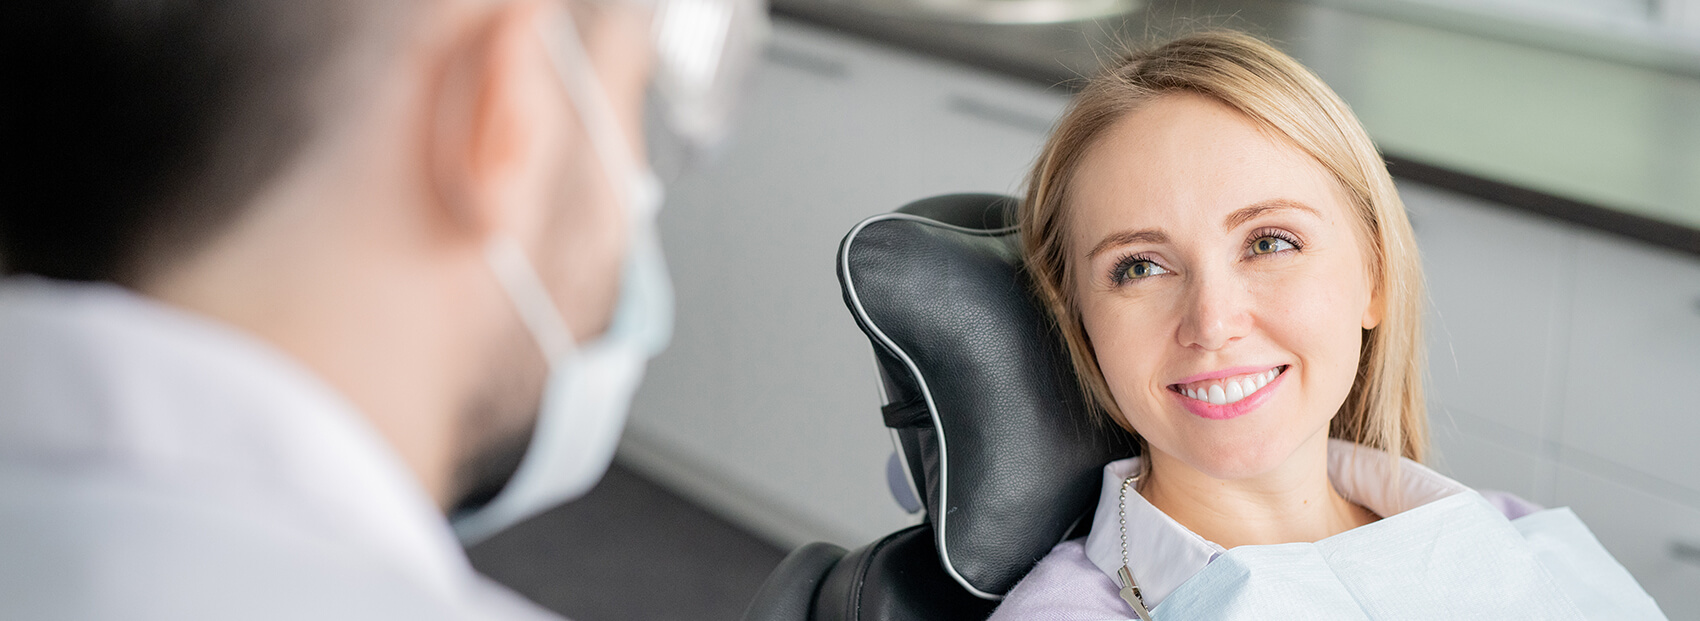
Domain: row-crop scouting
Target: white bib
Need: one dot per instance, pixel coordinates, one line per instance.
(1454, 558)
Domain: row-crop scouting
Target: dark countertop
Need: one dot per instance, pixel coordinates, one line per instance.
(1604, 144)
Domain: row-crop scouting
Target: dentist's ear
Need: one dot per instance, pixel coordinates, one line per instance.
(493, 141)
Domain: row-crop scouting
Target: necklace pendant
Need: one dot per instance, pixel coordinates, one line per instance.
(1130, 594)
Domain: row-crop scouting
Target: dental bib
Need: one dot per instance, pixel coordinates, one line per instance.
(1453, 558)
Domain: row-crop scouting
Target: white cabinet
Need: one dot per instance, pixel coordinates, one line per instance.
(1632, 389)
(1657, 539)
(1497, 282)
(1630, 438)
(1463, 452)
(1498, 287)
(765, 408)
(1562, 364)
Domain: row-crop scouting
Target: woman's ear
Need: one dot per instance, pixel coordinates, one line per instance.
(497, 116)
(1376, 309)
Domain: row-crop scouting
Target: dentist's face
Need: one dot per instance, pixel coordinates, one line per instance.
(584, 233)
(578, 229)
(1222, 282)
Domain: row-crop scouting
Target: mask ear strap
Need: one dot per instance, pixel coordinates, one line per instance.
(531, 298)
(596, 111)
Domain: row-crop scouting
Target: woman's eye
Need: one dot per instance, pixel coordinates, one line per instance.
(1140, 269)
(1270, 244)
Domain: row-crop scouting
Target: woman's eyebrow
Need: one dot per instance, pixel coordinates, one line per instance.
(1123, 238)
(1244, 214)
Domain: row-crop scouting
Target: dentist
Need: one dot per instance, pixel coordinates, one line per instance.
(302, 295)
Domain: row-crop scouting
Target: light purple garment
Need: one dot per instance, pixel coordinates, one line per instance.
(1067, 586)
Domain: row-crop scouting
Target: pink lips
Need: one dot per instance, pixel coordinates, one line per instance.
(1227, 411)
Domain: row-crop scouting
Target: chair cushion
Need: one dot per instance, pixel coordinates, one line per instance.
(897, 578)
(979, 389)
(789, 592)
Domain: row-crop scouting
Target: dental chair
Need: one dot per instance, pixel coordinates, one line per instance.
(993, 436)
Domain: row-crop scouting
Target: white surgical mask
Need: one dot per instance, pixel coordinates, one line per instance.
(590, 385)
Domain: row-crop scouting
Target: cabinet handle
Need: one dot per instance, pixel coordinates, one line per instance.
(1685, 552)
(808, 62)
(1002, 115)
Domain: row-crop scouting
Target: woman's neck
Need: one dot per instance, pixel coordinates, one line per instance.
(1295, 502)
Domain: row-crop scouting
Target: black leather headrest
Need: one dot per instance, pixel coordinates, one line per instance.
(978, 385)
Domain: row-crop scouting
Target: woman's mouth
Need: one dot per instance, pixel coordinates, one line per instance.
(1222, 398)
(1226, 390)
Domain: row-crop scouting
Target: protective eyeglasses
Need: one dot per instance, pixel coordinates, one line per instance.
(705, 49)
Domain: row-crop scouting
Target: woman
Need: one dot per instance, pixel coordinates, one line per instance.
(1237, 282)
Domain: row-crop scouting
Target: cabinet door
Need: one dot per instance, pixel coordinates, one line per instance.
(1497, 286)
(1634, 363)
(1486, 461)
(1657, 539)
(765, 407)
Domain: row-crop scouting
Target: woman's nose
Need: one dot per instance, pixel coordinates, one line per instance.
(1215, 312)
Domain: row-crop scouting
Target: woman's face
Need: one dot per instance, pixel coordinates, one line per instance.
(1222, 283)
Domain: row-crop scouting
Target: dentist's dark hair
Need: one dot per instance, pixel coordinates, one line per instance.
(132, 131)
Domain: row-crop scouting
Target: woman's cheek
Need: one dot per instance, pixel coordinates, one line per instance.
(1307, 307)
(1319, 320)
(1127, 340)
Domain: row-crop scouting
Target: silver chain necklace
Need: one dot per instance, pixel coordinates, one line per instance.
(1130, 591)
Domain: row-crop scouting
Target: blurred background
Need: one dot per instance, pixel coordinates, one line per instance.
(1548, 152)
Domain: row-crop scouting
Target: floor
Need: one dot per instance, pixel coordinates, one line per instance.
(630, 550)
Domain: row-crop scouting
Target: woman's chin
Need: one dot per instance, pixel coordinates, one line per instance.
(1233, 459)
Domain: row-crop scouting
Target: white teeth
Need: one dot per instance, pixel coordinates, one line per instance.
(1233, 390)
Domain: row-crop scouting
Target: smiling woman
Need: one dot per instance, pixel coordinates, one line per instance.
(1237, 283)
(1272, 128)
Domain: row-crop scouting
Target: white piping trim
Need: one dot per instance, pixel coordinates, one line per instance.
(926, 392)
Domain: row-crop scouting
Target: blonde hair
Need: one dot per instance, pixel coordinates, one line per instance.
(1385, 408)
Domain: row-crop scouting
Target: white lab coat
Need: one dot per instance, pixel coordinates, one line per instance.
(158, 465)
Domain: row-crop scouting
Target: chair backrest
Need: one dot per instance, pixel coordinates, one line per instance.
(979, 390)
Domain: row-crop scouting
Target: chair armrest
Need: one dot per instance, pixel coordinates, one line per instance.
(788, 594)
